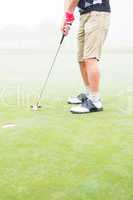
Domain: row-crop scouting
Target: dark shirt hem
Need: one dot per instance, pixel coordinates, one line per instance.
(95, 8)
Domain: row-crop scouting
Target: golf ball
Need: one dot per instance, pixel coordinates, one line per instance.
(35, 108)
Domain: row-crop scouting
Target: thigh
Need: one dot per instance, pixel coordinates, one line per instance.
(96, 29)
(81, 36)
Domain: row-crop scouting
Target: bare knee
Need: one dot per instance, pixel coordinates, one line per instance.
(90, 61)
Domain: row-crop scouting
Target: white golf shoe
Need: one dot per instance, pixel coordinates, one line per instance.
(87, 106)
(77, 100)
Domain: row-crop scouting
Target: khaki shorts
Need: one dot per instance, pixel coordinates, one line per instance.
(92, 33)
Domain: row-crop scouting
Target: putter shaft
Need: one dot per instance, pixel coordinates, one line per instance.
(49, 72)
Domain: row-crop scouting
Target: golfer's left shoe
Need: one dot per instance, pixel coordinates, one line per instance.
(89, 105)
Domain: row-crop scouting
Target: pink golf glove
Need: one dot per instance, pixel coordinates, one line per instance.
(69, 18)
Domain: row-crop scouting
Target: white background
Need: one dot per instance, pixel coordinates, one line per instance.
(29, 13)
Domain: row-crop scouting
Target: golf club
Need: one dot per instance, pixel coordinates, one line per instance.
(37, 105)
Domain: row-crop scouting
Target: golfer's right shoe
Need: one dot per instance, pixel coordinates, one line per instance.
(88, 106)
(78, 100)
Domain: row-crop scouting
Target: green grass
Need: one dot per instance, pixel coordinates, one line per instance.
(54, 155)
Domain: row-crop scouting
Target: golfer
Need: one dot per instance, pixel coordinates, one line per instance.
(93, 29)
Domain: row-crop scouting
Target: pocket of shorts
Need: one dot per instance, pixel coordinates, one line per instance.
(106, 21)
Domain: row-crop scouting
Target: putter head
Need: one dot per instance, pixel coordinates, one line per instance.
(36, 107)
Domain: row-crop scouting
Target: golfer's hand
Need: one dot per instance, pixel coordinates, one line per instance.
(65, 28)
(67, 22)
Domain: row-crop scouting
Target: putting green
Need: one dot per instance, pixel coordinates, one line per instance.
(54, 155)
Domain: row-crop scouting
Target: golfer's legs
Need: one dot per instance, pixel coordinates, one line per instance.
(96, 29)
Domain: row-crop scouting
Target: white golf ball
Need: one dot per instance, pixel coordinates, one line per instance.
(35, 108)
